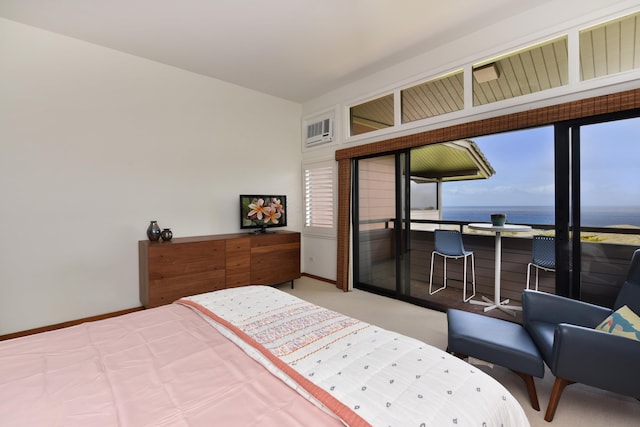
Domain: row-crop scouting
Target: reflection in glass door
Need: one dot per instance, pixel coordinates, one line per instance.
(375, 223)
(380, 236)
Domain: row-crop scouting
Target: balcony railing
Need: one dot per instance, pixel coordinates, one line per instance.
(603, 268)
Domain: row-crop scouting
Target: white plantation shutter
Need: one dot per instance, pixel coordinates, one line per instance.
(318, 196)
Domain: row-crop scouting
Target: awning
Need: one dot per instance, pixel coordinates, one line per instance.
(449, 161)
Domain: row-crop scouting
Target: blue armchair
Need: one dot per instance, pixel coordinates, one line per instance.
(575, 352)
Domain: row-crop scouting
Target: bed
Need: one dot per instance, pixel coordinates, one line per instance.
(245, 356)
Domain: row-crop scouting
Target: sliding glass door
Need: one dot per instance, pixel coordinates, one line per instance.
(576, 181)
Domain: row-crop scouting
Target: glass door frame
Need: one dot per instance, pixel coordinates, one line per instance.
(568, 199)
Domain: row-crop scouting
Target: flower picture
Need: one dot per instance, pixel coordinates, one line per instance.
(262, 211)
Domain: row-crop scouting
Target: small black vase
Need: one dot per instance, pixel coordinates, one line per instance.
(153, 232)
(166, 234)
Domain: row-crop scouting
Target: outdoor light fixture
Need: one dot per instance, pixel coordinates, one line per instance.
(486, 73)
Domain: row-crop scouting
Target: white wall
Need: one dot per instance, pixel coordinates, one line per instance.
(94, 144)
(319, 256)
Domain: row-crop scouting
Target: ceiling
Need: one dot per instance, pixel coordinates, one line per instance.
(292, 49)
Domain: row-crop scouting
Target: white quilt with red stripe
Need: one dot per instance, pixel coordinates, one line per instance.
(363, 373)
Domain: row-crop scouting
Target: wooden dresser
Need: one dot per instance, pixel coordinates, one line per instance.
(193, 265)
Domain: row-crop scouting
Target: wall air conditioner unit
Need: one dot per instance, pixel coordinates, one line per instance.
(319, 132)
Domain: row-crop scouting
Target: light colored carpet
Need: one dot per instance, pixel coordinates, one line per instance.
(580, 405)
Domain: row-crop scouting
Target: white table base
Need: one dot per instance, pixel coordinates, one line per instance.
(496, 302)
(501, 305)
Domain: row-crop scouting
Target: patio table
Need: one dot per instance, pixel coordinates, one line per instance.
(498, 230)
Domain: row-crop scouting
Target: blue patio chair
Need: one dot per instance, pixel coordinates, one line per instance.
(448, 244)
(543, 256)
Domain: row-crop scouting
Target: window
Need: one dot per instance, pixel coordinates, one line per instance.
(531, 70)
(318, 195)
(372, 115)
(439, 96)
(610, 48)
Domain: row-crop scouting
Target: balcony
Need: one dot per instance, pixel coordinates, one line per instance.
(605, 258)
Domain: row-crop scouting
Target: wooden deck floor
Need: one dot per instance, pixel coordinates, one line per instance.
(452, 298)
(383, 277)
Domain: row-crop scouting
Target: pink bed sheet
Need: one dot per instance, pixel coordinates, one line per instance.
(160, 367)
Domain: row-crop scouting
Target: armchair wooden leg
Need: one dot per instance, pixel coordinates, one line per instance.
(531, 389)
(556, 392)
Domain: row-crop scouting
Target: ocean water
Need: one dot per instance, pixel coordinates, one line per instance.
(591, 216)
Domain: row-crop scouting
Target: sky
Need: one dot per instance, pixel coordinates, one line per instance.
(523, 161)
